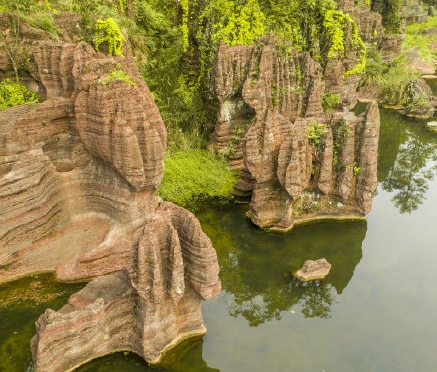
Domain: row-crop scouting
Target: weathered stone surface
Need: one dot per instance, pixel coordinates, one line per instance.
(419, 100)
(146, 308)
(77, 179)
(390, 47)
(313, 270)
(277, 93)
(417, 64)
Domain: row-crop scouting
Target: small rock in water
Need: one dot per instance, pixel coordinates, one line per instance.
(432, 126)
(312, 270)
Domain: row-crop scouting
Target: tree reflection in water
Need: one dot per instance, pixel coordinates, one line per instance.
(256, 266)
(413, 160)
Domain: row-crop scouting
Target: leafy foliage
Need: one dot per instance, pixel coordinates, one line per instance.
(393, 81)
(108, 31)
(299, 21)
(415, 37)
(391, 13)
(330, 101)
(335, 23)
(117, 74)
(196, 175)
(315, 132)
(233, 23)
(13, 94)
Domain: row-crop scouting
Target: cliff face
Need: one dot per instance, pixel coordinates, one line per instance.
(295, 161)
(77, 179)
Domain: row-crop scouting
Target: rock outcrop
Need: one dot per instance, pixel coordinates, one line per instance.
(419, 100)
(77, 179)
(296, 161)
(313, 270)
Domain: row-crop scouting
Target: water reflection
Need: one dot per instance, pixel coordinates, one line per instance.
(256, 266)
(407, 160)
(21, 302)
(187, 356)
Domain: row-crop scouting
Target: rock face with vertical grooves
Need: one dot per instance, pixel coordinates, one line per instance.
(270, 97)
(78, 174)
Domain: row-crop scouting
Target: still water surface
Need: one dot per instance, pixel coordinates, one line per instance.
(374, 312)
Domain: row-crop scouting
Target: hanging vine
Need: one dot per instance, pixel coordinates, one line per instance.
(335, 23)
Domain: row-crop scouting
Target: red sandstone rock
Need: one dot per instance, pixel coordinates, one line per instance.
(147, 308)
(277, 93)
(313, 270)
(77, 179)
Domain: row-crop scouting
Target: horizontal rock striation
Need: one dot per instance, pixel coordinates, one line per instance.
(78, 174)
(146, 308)
(296, 162)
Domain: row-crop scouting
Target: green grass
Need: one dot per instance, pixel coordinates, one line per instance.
(414, 38)
(195, 176)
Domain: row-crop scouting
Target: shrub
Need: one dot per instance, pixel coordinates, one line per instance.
(330, 101)
(315, 132)
(117, 74)
(193, 176)
(107, 30)
(13, 94)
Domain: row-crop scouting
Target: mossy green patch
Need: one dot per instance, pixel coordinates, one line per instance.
(196, 175)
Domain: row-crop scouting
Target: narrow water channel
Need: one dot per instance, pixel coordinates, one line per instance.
(374, 312)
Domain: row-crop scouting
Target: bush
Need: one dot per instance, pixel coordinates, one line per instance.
(13, 94)
(194, 176)
(392, 79)
(330, 101)
(108, 31)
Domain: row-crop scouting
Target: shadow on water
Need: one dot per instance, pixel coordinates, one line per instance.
(407, 159)
(184, 357)
(256, 266)
(21, 303)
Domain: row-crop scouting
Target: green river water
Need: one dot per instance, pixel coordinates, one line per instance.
(375, 311)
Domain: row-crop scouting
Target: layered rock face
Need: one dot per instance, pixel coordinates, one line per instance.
(295, 161)
(77, 179)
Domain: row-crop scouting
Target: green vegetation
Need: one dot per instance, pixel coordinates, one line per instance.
(13, 94)
(416, 37)
(108, 31)
(117, 74)
(233, 22)
(356, 171)
(392, 79)
(391, 13)
(196, 175)
(336, 22)
(174, 44)
(330, 101)
(315, 132)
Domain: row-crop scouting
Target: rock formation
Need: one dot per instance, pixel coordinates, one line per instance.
(296, 161)
(77, 179)
(313, 270)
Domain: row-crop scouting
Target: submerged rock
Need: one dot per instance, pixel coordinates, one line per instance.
(432, 126)
(313, 270)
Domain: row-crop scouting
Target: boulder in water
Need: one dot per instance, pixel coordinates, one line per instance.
(312, 270)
